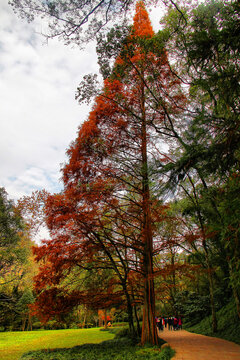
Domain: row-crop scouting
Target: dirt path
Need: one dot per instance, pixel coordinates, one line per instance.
(189, 346)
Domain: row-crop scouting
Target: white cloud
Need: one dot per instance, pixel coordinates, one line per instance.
(38, 112)
(39, 116)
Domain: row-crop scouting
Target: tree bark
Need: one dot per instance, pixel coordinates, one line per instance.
(149, 329)
(105, 318)
(130, 314)
(211, 287)
(209, 270)
(235, 293)
(24, 320)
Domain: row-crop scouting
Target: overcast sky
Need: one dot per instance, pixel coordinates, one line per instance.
(39, 116)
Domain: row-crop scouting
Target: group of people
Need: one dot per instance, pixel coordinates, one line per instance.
(173, 323)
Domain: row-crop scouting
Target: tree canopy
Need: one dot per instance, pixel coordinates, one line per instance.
(73, 21)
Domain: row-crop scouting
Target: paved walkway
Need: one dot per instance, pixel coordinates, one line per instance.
(189, 346)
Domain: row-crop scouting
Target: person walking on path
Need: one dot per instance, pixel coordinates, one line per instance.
(159, 325)
(165, 322)
(175, 323)
(179, 324)
(170, 323)
(190, 346)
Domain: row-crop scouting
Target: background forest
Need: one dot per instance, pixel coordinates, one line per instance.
(151, 206)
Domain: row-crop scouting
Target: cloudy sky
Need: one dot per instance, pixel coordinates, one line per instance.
(39, 116)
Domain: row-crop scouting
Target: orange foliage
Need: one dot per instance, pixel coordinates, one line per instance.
(101, 216)
(141, 23)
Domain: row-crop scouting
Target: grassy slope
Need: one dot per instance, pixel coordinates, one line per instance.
(228, 324)
(14, 344)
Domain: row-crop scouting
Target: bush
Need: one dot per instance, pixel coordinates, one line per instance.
(192, 306)
(120, 324)
(73, 326)
(228, 324)
(155, 353)
(37, 325)
(122, 332)
(54, 325)
(121, 349)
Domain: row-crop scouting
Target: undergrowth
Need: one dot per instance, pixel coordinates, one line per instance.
(117, 349)
(228, 324)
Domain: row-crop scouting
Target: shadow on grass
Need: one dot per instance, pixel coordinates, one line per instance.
(117, 349)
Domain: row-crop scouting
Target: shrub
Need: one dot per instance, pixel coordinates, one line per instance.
(228, 324)
(119, 349)
(122, 332)
(37, 325)
(54, 325)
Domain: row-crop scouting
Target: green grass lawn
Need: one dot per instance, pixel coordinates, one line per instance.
(14, 344)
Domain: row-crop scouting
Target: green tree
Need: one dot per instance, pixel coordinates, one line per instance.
(205, 43)
(11, 228)
(16, 261)
(23, 308)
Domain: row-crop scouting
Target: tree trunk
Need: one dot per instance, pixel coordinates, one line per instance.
(237, 301)
(105, 318)
(130, 312)
(29, 327)
(235, 292)
(24, 322)
(135, 314)
(211, 287)
(137, 320)
(149, 329)
(173, 288)
(209, 270)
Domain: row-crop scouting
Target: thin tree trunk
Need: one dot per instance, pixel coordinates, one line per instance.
(85, 316)
(235, 293)
(136, 315)
(130, 313)
(209, 270)
(237, 301)
(29, 327)
(173, 289)
(24, 322)
(105, 318)
(211, 287)
(137, 321)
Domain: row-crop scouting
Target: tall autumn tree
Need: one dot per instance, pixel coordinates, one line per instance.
(109, 207)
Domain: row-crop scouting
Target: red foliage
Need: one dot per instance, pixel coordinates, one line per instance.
(142, 25)
(109, 211)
